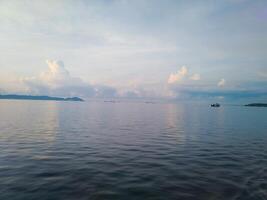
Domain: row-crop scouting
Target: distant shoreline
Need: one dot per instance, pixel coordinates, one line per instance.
(257, 105)
(31, 97)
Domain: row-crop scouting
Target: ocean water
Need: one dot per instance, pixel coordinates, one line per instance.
(131, 150)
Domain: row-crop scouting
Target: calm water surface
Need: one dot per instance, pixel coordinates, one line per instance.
(96, 150)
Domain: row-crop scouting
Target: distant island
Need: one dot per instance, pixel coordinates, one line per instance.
(257, 104)
(30, 97)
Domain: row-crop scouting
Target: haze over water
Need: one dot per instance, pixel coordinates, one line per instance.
(131, 150)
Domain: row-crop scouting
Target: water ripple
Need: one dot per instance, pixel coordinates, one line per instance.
(131, 151)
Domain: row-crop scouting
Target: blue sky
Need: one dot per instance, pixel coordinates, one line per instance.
(132, 48)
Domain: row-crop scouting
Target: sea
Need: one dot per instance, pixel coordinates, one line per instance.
(101, 150)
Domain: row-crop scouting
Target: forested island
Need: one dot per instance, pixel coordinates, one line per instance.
(257, 104)
(31, 97)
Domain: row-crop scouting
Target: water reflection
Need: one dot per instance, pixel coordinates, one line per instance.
(27, 125)
(175, 122)
(92, 150)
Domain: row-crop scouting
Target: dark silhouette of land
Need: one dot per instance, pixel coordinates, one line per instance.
(30, 97)
(257, 104)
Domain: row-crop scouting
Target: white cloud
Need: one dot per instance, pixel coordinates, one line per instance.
(221, 83)
(57, 76)
(182, 75)
(195, 77)
(176, 77)
(58, 81)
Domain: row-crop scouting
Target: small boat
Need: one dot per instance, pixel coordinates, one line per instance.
(215, 105)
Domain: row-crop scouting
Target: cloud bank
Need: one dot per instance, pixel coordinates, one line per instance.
(185, 86)
(56, 80)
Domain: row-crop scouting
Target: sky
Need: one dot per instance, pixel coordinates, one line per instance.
(158, 49)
